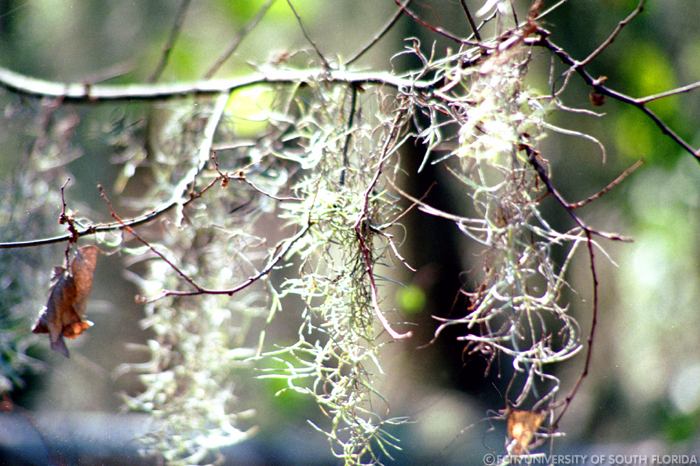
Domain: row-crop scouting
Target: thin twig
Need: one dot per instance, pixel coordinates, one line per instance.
(430, 210)
(541, 171)
(378, 36)
(242, 34)
(550, 9)
(130, 230)
(199, 289)
(591, 334)
(611, 185)
(613, 35)
(240, 175)
(271, 264)
(348, 136)
(308, 38)
(414, 202)
(390, 239)
(472, 23)
(672, 92)
(170, 43)
(179, 196)
(65, 218)
(533, 159)
(93, 229)
(436, 29)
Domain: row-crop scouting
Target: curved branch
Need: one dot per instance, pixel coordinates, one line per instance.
(269, 266)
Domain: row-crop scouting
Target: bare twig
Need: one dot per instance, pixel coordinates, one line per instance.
(93, 229)
(238, 39)
(199, 289)
(326, 65)
(348, 136)
(414, 203)
(282, 250)
(174, 32)
(378, 36)
(240, 175)
(179, 197)
(550, 9)
(611, 185)
(470, 18)
(436, 29)
(613, 35)
(672, 92)
(430, 210)
(533, 159)
(392, 244)
(67, 219)
(130, 230)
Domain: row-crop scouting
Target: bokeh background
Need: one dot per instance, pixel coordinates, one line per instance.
(643, 392)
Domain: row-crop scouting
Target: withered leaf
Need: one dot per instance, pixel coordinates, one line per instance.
(65, 309)
(521, 427)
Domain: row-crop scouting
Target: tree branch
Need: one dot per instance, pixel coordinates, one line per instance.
(534, 160)
(472, 23)
(672, 92)
(613, 35)
(597, 84)
(308, 38)
(170, 43)
(281, 250)
(377, 37)
(238, 39)
(90, 94)
(436, 29)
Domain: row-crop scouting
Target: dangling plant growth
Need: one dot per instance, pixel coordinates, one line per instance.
(297, 208)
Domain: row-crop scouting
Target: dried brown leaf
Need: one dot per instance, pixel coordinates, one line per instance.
(522, 426)
(64, 313)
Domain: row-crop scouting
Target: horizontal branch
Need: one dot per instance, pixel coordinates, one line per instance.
(95, 93)
(92, 229)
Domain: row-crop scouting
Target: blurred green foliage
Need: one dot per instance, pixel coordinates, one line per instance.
(411, 299)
